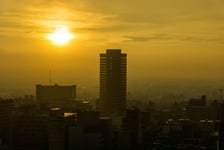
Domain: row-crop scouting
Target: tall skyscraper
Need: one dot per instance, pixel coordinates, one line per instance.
(113, 82)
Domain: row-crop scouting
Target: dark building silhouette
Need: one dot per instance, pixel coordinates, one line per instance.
(86, 134)
(113, 82)
(197, 109)
(29, 131)
(6, 108)
(50, 96)
(131, 133)
(221, 137)
(56, 129)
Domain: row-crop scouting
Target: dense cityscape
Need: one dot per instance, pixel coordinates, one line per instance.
(55, 119)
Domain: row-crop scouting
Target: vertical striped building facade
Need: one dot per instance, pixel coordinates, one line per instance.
(113, 82)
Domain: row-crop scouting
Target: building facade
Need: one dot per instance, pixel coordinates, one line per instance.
(6, 109)
(113, 82)
(55, 95)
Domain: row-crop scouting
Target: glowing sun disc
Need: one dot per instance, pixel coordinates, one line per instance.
(60, 36)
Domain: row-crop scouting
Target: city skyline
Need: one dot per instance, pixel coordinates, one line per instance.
(158, 85)
(166, 42)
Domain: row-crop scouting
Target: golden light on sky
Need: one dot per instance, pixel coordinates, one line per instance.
(163, 39)
(61, 36)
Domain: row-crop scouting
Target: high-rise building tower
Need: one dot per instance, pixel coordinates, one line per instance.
(113, 82)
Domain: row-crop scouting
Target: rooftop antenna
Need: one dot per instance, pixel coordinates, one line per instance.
(221, 90)
(49, 76)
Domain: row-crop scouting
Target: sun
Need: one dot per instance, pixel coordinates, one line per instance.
(60, 36)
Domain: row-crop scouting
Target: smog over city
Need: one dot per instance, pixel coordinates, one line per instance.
(117, 74)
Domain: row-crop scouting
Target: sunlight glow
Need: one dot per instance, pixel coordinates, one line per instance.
(60, 36)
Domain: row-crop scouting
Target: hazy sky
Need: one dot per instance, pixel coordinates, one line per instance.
(163, 39)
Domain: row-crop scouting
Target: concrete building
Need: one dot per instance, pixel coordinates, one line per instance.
(50, 96)
(6, 108)
(197, 109)
(29, 131)
(86, 134)
(131, 133)
(56, 129)
(113, 82)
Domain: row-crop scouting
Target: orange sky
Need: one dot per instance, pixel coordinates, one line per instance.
(163, 39)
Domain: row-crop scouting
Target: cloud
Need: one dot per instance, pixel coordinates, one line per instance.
(26, 18)
(129, 18)
(148, 38)
(174, 38)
